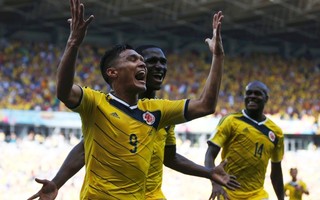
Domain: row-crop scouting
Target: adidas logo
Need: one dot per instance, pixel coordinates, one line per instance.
(115, 115)
(246, 130)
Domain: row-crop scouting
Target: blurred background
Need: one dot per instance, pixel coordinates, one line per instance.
(275, 41)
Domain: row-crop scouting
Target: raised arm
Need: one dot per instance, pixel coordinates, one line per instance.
(67, 92)
(277, 179)
(181, 164)
(206, 103)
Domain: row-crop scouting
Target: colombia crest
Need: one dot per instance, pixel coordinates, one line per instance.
(149, 118)
(272, 136)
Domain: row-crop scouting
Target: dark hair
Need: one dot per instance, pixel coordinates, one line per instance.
(261, 85)
(141, 48)
(109, 57)
(293, 168)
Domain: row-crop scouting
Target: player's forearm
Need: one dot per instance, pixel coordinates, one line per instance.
(72, 164)
(66, 71)
(186, 166)
(212, 86)
(207, 101)
(209, 160)
(210, 93)
(277, 180)
(278, 188)
(63, 176)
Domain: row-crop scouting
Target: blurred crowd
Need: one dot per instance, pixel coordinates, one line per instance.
(28, 70)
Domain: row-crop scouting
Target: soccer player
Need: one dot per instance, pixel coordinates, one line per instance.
(119, 129)
(248, 140)
(164, 144)
(295, 188)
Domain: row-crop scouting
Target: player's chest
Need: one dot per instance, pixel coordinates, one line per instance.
(252, 138)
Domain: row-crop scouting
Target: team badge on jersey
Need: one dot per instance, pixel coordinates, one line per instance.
(148, 118)
(272, 136)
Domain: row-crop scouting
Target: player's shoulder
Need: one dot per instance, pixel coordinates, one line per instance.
(272, 125)
(94, 91)
(230, 117)
(301, 182)
(233, 115)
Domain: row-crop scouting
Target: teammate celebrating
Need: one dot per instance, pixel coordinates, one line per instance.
(248, 140)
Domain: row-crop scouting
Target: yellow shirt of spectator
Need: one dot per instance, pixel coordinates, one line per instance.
(294, 192)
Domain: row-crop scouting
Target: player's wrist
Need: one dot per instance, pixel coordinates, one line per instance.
(73, 43)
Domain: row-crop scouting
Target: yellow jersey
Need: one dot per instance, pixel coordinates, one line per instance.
(165, 136)
(294, 193)
(248, 145)
(118, 142)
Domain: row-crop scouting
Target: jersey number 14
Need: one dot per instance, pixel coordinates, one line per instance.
(258, 151)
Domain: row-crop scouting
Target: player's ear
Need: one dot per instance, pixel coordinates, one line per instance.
(267, 98)
(112, 73)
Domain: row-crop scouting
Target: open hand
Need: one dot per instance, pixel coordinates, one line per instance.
(78, 26)
(49, 190)
(215, 43)
(221, 177)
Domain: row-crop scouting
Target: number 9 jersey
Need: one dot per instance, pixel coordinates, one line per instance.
(119, 140)
(248, 145)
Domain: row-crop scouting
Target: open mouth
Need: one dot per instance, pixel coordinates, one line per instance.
(252, 104)
(158, 76)
(141, 75)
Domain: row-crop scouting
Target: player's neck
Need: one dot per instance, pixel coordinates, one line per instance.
(257, 116)
(150, 94)
(130, 99)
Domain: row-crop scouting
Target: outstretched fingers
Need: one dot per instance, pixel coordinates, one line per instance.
(87, 21)
(217, 25)
(72, 9)
(233, 184)
(224, 163)
(34, 196)
(215, 43)
(42, 181)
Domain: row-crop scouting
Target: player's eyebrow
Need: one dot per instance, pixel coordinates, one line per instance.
(135, 57)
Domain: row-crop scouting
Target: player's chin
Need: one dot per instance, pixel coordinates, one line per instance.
(141, 88)
(252, 107)
(154, 86)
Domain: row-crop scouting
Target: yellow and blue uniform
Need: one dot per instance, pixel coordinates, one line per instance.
(248, 145)
(118, 142)
(165, 136)
(294, 193)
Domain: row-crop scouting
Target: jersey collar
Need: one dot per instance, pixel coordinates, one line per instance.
(247, 116)
(122, 102)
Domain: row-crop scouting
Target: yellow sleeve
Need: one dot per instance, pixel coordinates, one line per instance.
(172, 112)
(87, 101)
(286, 187)
(171, 138)
(303, 185)
(222, 131)
(278, 151)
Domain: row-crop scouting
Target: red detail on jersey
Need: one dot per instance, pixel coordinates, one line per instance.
(272, 136)
(149, 118)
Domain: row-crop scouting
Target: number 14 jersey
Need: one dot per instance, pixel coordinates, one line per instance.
(248, 146)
